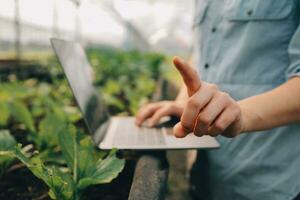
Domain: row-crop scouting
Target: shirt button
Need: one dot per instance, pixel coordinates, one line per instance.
(206, 66)
(250, 12)
(214, 29)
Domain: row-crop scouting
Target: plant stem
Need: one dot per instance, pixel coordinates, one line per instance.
(75, 168)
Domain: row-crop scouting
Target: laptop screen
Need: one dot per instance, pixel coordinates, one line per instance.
(80, 77)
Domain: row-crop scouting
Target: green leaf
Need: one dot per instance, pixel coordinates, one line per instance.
(104, 171)
(4, 94)
(60, 184)
(68, 144)
(52, 156)
(73, 114)
(21, 113)
(87, 155)
(114, 101)
(54, 107)
(111, 87)
(15, 90)
(82, 160)
(49, 128)
(4, 116)
(7, 143)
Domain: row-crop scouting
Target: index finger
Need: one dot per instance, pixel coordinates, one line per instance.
(189, 74)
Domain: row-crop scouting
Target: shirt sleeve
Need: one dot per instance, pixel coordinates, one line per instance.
(294, 54)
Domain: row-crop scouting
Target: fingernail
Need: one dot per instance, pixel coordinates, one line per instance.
(177, 131)
(177, 135)
(177, 59)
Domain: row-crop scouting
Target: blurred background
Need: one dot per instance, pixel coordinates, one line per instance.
(27, 25)
(129, 43)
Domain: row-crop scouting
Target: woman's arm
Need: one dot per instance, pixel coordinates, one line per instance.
(209, 111)
(275, 108)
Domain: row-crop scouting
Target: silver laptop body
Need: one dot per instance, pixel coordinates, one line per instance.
(112, 131)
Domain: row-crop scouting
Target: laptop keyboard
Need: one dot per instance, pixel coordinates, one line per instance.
(129, 134)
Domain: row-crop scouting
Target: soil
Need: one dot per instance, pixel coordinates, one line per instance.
(21, 184)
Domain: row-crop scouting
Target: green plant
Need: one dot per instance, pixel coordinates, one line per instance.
(40, 111)
(49, 129)
(128, 79)
(85, 166)
(7, 143)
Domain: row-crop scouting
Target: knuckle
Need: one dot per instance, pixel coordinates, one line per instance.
(225, 95)
(193, 102)
(214, 134)
(173, 105)
(220, 126)
(197, 133)
(225, 98)
(158, 114)
(213, 87)
(164, 111)
(169, 106)
(204, 119)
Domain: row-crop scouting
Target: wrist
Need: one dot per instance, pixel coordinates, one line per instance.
(250, 120)
(245, 121)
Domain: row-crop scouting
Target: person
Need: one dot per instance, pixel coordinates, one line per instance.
(248, 97)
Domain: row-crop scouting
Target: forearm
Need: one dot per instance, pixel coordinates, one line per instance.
(275, 108)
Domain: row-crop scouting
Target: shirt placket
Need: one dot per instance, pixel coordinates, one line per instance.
(211, 41)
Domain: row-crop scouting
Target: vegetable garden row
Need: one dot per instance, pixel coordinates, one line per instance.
(45, 151)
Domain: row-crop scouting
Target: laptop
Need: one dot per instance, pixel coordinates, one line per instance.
(114, 131)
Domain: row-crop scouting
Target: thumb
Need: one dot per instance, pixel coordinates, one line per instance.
(189, 75)
(179, 131)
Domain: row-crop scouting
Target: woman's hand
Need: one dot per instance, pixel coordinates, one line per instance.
(208, 110)
(155, 111)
